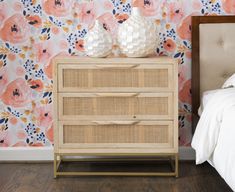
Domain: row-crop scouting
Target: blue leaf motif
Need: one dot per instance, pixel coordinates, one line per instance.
(51, 18)
(45, 94)
(44, 30)
(2, 120)
(177, 55)
(9, 109)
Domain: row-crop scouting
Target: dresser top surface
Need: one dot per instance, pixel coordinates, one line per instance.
(77, 59)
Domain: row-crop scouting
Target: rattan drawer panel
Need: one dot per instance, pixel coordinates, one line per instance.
(112, 133)
(114, 77)
(116, 105)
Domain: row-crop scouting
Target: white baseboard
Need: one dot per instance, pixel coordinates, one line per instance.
(26, 154)
(46, 153)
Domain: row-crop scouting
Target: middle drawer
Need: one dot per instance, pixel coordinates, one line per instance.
(123, 106)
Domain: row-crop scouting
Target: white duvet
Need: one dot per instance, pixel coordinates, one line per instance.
(214, 138)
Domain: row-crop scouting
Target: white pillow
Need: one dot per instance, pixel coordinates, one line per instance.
(230, 82)
(206, 97)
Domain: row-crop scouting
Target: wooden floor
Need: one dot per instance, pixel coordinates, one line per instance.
(39, 178)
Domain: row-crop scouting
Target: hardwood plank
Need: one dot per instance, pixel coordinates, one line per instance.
(39, 177)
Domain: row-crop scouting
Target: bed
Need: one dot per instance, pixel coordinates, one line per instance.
(213, 100)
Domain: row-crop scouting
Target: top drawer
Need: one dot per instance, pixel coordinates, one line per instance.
(114, 77)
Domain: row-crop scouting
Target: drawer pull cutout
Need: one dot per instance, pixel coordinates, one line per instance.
(117, 94)
(116, 122)
(116, 66)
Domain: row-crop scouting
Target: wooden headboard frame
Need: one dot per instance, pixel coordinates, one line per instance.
(196, 21)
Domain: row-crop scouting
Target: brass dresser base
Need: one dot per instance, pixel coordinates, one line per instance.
(58, 159)
(115, 110)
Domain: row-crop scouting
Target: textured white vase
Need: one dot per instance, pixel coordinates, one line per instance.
(137, 37)
(98, 42)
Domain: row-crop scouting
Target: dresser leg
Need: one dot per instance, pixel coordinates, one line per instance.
(176, 165)
(55, 166)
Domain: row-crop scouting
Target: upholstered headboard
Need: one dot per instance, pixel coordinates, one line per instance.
(213, 55)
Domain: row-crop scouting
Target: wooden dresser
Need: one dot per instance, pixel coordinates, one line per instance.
(115, 107)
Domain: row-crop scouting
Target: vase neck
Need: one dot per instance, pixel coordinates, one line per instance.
(136, 12)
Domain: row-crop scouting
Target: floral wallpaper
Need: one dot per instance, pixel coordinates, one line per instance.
(32, 32)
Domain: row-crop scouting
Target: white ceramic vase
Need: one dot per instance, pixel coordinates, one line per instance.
(137, 37)
(98, 42)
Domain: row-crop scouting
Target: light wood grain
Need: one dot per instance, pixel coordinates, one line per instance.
(90, 77)
(116, 106)
(55, 107)
(116, 134)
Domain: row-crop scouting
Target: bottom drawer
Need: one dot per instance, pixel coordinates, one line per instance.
(114, 134)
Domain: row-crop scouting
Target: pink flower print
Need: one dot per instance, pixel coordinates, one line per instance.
(229, 6)
(34, 20)
(184, 29)
(3, 12)
(182, 75)
(185, 93)
(79, 45)
(86, 12)
(48, 70)
(188, 54)
(43, 51)
(55, 30)
(3, 79)
(15, 29)
(21, 134)
(148, 7)
(17, 93)
(108, 5)
(197, 5)
(57, 8)
(17, 6)
(11, 56)
(44, 115)
(175, 12)
(169, 45)
(50, 133)
(36, 145)
(37, 85)
(6, 137)
(20, 71)
(49, 67)
(137, 3)
(121, 17)
(20, 144)
(13, 120)
(63, 44)
(109, 23)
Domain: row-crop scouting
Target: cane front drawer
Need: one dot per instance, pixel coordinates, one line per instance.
(117, 78)
(88, 106)
(110, 134)
(115, 105)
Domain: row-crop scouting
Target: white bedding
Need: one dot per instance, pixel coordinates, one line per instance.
(214, 138)
(206, 97)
